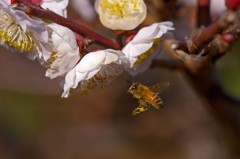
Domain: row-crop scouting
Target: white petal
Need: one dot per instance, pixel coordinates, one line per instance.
(69, 82)
(58, 6)
(91, 61)
(151, 32)
(91, 74)
(5, 3)
(94, 60)
(89, 66)
(63, 34)
(143, 40)
(111, 56)
(67, 51)
(144, 66)
(132, 51)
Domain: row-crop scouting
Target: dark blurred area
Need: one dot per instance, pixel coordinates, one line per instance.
(36, 123)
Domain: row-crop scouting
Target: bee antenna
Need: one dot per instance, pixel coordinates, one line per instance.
(129, 82)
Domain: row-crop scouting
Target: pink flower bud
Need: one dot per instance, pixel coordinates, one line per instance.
(37, 1)
(13, 1)
(232, 4)
(228, 38)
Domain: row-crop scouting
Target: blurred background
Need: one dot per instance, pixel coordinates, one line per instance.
(36, 123)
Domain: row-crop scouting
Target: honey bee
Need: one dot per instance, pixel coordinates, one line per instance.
(147, 96)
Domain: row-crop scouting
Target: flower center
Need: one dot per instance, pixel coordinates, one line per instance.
(107, 74)
(121, 8)
(12, 33)
(150, 51)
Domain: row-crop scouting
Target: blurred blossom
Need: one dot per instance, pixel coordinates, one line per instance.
(141, 50)
(121, 14)
(65, 54)
(96, 69)
(5, 2)
(216, 6)
(58, 6)
(84, 8)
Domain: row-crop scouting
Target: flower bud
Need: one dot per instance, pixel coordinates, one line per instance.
(228, 38)
(13, 1)
(121, 14)
(232, 4)
(37, 1)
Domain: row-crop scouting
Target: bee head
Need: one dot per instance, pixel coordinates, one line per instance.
(133, 88)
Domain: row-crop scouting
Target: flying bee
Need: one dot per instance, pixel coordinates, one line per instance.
(147, 96)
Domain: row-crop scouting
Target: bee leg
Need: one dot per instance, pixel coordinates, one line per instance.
(142, 107)
(139, 110)
(136, 111)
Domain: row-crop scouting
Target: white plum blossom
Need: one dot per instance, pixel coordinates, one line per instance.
(140, 50)
(121, 14)
(54, 46)
(94, 70)
(98, 68)
(5, 2)
(65, 54)
(57, 6)
(25, 34)
(217, 7)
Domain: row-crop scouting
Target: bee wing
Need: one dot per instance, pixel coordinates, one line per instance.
(160, 87)
(141, 108)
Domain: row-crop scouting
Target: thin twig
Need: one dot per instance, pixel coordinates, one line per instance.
(37, 11)
(207, 34)
(204, 17)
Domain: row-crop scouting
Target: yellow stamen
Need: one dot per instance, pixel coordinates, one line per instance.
(51, 60)
(145, 55)
(12, 33)
(121, 8)
(107, 74)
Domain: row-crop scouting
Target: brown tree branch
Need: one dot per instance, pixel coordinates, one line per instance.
(202, 76)
(34, 10)
(194, 45)
(200, 69)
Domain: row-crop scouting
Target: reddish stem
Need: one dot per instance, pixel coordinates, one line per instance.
(207, 34)
(37, 11)
(204, 12)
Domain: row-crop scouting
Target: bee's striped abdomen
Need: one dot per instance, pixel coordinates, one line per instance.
(157, 102)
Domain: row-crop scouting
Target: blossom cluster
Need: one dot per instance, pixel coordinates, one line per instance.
(56, 48)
